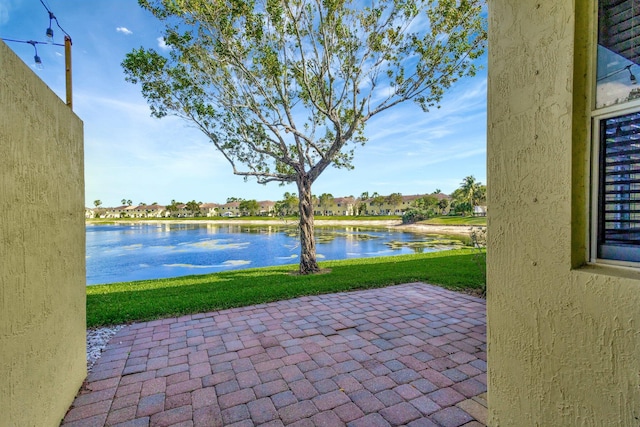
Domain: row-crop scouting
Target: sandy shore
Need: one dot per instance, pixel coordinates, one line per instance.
(394, 224)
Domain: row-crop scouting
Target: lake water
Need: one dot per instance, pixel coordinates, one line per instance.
(127, 252)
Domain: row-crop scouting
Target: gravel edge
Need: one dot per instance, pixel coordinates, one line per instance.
(97, 339)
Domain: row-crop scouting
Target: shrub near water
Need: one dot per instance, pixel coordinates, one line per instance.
(151, 299)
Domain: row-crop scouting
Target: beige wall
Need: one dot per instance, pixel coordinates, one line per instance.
(564, 339)
(42, 250)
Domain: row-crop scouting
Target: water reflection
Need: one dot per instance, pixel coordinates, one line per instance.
(127, 252)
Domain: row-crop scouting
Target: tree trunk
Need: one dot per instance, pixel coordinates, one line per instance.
(308, 263)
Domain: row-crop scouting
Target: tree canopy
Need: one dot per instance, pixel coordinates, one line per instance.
(325, 201)
(249, 207)
(193, 207)
(394, 199)
(173, 208)
(284, 88)
(422, 208)
(288, 205)
(470, 193)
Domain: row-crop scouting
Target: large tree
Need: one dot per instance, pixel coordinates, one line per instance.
(249, 207)
(473, 191)
(394, 199)
(325, 201)
(379, 201)
(288, 205)
(470, 193)
(284, 88)
(193, 207)
(173, 208)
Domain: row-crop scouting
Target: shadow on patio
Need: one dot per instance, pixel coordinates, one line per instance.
(412, 355)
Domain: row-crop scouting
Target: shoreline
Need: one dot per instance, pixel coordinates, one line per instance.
(464, 230)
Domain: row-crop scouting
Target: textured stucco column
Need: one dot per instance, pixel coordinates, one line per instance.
(563, 337)
(42, 249)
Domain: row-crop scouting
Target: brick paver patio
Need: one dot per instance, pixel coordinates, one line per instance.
(410, 355)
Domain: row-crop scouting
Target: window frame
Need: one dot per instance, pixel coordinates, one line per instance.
(597, 115)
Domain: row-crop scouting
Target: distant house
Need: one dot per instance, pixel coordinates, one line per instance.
(209, 209)
(386, 208)
(339, 206)
(183, 212)
(146, 211)
(229, 210)
(344, 206)
(267, 208)
(479, 211)
(118, 212)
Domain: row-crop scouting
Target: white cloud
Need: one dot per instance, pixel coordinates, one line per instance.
(124, 30)
(6, 9)
(162, 44)
(613, 92)
(4, 14)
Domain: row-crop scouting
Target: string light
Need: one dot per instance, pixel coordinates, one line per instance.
(67, 51)
(52, 17)
(632, 76)
(48, 33)
(36, 58)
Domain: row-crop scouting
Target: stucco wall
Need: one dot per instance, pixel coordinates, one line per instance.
(42, 250)
(563, 338)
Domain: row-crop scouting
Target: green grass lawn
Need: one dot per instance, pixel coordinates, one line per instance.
(457, 220)
(152, 299)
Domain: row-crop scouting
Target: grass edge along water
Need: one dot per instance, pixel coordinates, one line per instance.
(126, 302)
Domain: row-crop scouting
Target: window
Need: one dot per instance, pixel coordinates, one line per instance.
(618, 52)
(616, 130)
(619, 188)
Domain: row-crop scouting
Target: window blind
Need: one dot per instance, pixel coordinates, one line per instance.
(619, 196)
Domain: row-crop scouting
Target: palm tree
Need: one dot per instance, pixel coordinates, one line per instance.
(472, 193)
(173, 207)
(193, 207)
(470, 190)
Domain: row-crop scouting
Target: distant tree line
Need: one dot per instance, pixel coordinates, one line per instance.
(461, 202)
(470, 193)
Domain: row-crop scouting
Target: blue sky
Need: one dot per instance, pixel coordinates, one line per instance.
(129, 154)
